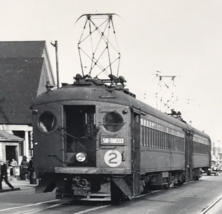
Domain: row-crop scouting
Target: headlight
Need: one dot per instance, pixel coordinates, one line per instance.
(81, 157)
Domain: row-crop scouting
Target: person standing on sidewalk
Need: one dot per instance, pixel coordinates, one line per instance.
(24, 168)
(30, 169)
(4, 176)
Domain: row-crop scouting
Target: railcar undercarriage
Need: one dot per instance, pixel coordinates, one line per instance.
(109, 187)
(86, 187)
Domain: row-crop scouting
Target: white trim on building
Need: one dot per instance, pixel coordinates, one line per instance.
(27, 143)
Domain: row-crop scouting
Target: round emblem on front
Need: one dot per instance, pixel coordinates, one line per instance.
(113, 158)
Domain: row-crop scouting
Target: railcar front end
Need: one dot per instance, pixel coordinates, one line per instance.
(82, 143)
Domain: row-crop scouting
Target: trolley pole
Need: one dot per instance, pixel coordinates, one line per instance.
(55, 45)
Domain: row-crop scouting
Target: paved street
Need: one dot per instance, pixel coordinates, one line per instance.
(192, 198)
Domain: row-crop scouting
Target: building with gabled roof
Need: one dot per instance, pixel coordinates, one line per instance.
(8, 145)
(24, 70)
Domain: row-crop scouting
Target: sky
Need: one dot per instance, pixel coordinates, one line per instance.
(181, 38)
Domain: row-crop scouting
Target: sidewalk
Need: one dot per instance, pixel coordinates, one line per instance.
(17, 183)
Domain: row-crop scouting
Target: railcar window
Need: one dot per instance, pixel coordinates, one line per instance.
(157, 136)
(47, 121)
(144, 136)
(161, 140)
(137, 118)
(157, 139)
(175, 142)
(80, 134)
(169, 142)
(113, 122)
(147, 137)
(165, 140)
(141, 136)
(200, 148)
(152, 137)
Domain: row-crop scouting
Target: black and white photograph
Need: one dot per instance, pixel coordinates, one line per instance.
(111, 107)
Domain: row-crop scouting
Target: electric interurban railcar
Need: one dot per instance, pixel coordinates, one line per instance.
(96, 141)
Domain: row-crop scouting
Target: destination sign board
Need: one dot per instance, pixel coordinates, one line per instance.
(109, 140)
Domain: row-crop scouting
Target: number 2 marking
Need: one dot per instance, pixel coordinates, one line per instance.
(111, 160)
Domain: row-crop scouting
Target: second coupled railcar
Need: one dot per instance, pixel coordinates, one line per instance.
(98, 142)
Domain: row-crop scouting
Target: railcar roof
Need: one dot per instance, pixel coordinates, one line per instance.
(101, 93)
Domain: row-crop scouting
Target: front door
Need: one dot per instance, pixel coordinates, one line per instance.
(189, 156)
(80, 135)
(136, 152)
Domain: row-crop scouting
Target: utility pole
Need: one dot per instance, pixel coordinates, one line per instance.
(55, 45)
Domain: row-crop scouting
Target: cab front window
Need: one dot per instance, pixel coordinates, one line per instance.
(47, 121)
(113, 122)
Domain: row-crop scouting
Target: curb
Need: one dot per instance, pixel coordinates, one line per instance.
(9, 190)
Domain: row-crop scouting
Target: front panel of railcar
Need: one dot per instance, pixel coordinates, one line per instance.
(81, 140)
(48, 141)
(114, 140)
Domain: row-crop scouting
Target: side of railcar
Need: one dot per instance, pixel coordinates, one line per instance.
(201, 153)
(162, 150)
(171, 150)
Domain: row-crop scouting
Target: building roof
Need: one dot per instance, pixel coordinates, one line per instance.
(5, 136)
(21, 66)
(27, 49)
